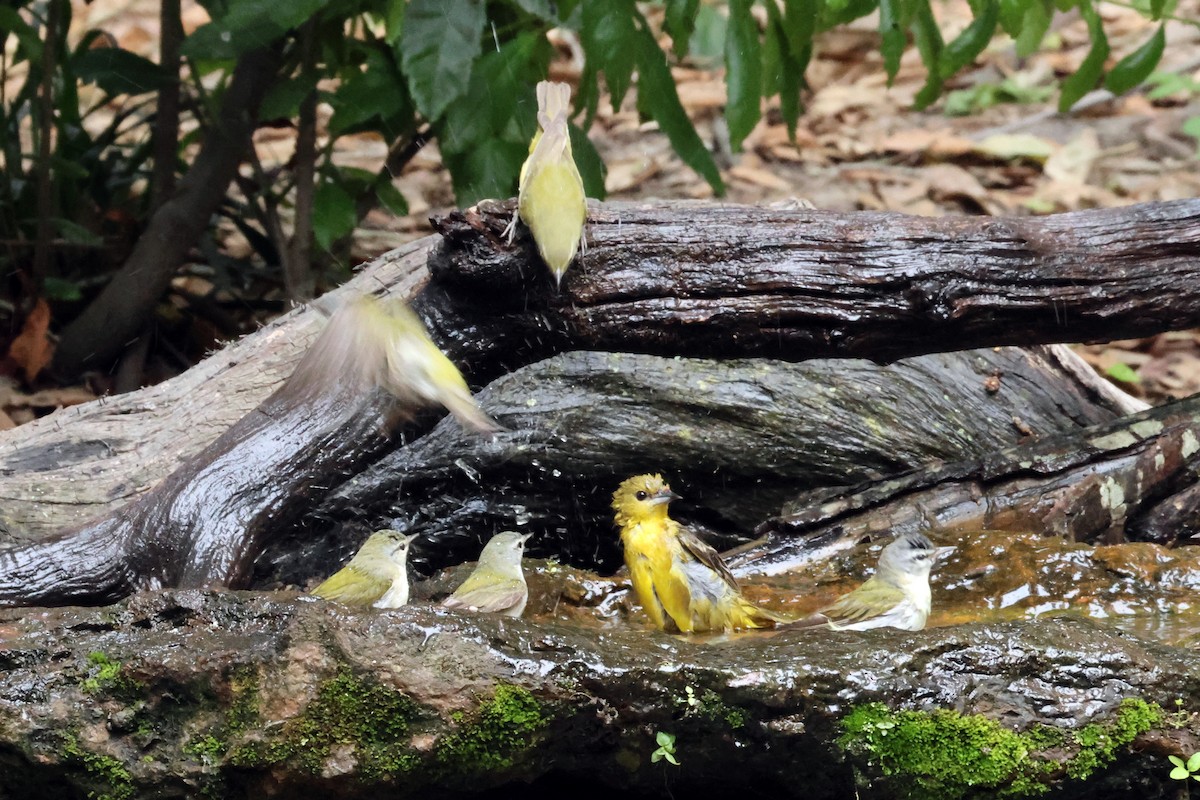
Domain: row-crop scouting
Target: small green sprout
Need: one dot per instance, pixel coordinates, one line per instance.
(1184, 770)
(666, 748)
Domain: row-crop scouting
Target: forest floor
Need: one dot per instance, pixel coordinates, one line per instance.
(993, 144)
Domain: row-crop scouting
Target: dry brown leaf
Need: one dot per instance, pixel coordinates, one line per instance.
(936, 145)
(52, 398)
(759, 177)
(32, 349)
(1073, 162)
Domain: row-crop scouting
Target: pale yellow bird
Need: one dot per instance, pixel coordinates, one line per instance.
(497, 584)
(550, 199)
(377, 576)
(383, 344)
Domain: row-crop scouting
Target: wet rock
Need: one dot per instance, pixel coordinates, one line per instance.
(249, 695)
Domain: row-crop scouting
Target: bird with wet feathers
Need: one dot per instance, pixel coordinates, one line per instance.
(896, 596)
(376, 576)
(681, 582)
(497, 584)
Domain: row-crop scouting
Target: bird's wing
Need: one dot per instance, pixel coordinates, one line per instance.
(705, 554)
(487, 595)
(352, 586)
(874, 599)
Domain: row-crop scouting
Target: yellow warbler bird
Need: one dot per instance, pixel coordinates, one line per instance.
(550, 199)
(681, 582)
(896, 596)
(498, 584)
(377, 344)
(377, 576)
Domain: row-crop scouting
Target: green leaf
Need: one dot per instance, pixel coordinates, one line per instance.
(1179, 773)
(29, 39)
(334, 214)
(929, 44)
(657, 756)
(247, 25)
(591, 166)
(788, 80)
(1038, 14)
(440, 42)
(118, 71)
(743, 73)
(59, 289)
(656, 85)
(967, 46)
(76, 233)
(800, 19)
(1084, 79)
(487, 170)
(707, 47)
(393, 21)
(1137, 66)
(1191, 126)
(1124, 373)
(391, 198)
(607, 34)
(284, 98)
(671, 757)
(376, 92)
(680, 22)
(1156, 8)
(893, 38)
(1177, 761)
(1012, 15)
(1193, 763)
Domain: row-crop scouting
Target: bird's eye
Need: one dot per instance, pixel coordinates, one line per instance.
(640, 495)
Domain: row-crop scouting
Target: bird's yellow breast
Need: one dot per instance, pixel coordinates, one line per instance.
(553, 205)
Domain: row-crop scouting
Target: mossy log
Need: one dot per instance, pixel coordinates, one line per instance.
(193, 693)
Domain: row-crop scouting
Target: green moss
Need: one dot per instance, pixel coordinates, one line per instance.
(503, 728)
(1098, 743)
(107, 778)
(710, 705)
(944, 754)
(208, 748)
(347, 710)
(243, 710)
(104, 675)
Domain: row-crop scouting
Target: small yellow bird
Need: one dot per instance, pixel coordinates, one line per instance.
(377, 576)
(681, 582)
(497, 584)
(377, 344)
(896, 596)
(550, 199)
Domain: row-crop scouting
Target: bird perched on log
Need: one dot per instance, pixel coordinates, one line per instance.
(681, 582)
(497, 584)
(377, 576)
(550, 197)
(896, 596)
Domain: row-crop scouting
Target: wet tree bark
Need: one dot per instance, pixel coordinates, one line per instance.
(792, 284)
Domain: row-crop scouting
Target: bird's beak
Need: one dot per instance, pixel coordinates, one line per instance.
(943, 552)
(663, 495)
(526, 538)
